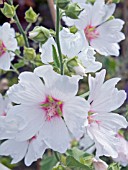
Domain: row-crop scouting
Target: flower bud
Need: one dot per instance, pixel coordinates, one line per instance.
(73, 10)
(31, 16)
(39, 34)
(62, 3)
(20, 39)
(29, 53)
(73, 29)
(74, 66)
(8, 10)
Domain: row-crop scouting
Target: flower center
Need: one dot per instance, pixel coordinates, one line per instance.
(91, 33)
(2, 48)
(4, 114)
(52, 107)
(91, 120)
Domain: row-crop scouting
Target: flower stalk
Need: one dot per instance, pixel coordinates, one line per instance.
(58, 40)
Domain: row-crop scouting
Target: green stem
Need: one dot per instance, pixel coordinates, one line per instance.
(85, 94)
(58, 40)
(57, 157)
(14, 69)
(28, 27)
(21, 30)
(20, 26)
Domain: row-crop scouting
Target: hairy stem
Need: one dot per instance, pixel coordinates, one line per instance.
(58, 40)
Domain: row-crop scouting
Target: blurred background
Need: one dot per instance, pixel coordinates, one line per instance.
(116, 66)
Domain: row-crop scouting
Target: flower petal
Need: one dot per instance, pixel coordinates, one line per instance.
(52, 135)
(75, 112)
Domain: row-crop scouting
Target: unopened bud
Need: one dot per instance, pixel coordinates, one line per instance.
(29, 53)
(8, 10)
(62, 3)
(31, 16)
(73, 29)
(20, 39)
(39, 34)
(73, 10)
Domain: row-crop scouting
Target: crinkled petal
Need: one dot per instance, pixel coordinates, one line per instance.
(16, 150)
(46, 51)
(29, 91)
(35, 151)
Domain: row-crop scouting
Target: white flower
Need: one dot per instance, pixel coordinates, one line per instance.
(122, 150)
(30, 150)
(72, 45)
(99, 164)
(7, 43)
(42, 106)
(103, 125)
(101, 33)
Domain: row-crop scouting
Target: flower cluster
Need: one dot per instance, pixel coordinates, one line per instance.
(43, 110)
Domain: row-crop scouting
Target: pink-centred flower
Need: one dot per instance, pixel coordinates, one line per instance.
(49, 106)
(103, 125)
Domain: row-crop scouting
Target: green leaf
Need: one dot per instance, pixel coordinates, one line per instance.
(55, 57)
(48, 163)
(114, 166)
(79, 159)
(19, 65)
(73, 163)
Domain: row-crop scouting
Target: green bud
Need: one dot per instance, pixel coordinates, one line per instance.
(29, 53)
(8, 10)
(73, 29)
(73, 10)
(20, 39)
(31, 16)
(62, 3)
(39, 34)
